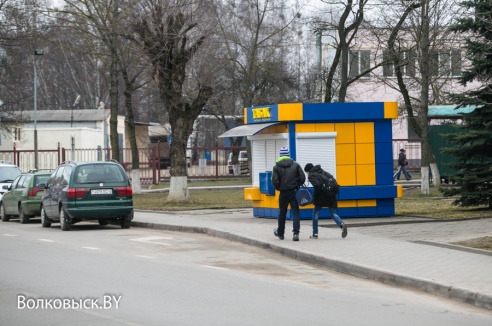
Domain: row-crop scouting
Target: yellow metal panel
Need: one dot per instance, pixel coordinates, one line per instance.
(306, 127)
(346, 175)
(245, 116)
(366, 175)
(325, 127)
(365, 154)
(364, 132)
(290, 112)
(390, 110)
(347, 203)
(252, 193)
(399, 191)
(367, 203)
(345, 133)
(345, 154)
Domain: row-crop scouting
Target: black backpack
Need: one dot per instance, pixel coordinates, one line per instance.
(329, 184)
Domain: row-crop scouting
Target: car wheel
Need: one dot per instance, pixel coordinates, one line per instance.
(125, 224)
(103, 222)
(22, 216)
(3, 215)
(45, 221)
(64, 220)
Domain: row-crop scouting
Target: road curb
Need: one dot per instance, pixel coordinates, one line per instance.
(366, 272)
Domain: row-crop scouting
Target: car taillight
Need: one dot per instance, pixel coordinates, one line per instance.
(76, 192)
(34, 191)
(124, 191)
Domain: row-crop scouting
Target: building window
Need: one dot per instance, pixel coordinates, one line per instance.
(445, 63)
(407, 60)
(359, 62)
(17, 134)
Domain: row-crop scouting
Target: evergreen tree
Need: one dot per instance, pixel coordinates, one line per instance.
(473, 148)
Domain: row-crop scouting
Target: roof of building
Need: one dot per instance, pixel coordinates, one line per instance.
(448, 111)
(58, 115)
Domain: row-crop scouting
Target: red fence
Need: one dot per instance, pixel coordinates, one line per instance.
(202, 162)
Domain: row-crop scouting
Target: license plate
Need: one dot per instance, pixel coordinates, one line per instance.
(101, 191)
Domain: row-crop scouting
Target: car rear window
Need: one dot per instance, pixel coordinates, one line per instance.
(40, 181)
(97, 173)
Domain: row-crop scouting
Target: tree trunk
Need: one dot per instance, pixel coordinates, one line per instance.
(130, 127)
(113, 120)
(114, 94)
(182, 127)
(436, 176)
(424, 99)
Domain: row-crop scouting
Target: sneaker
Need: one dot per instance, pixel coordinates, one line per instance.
(296, 237)
(275, 232)
(314, 236)
(344, 230)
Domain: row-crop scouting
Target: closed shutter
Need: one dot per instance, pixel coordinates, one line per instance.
(265, 149)
(318, 149)
(259, 160)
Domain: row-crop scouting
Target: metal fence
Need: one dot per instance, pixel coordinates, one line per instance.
(202, 162)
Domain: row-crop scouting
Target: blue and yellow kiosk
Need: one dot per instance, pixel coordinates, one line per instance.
(352, 141)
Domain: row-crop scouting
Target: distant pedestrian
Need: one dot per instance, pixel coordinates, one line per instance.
(287, 176)
(402, 166)
(322, 198)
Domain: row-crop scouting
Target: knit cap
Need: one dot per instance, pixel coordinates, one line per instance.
(284, 151)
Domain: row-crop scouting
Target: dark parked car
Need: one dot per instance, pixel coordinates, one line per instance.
(87, 191)
(23, 198)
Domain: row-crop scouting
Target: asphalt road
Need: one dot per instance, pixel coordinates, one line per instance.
(145, 277)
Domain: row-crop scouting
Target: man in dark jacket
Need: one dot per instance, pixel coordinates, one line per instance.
(287, 176)
(321, 198)
(402, 166)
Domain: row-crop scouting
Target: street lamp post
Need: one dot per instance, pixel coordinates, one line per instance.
(36, 53)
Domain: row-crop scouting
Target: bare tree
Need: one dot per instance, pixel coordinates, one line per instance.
(104, 22)
(346, 27)
(257, 63)
(424, 56)
(167, 32)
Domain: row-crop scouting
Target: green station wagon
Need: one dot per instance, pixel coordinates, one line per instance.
(87, 191)
(23, 198)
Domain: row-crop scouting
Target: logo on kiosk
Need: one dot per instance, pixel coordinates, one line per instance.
(262, 114)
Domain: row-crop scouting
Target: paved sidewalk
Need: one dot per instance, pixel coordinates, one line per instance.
(442, 270)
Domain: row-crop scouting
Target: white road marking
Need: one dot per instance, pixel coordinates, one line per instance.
(46, 240)
(152, 240)
(9, 235)
(214, 267)
(145, 256)
(91, 248)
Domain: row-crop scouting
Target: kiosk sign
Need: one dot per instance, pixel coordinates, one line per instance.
(262, 114)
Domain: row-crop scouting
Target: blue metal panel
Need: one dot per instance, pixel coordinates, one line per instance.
(367, 192)
(384, 174)
(386, 202)
(384, 153)
(367, 211)
(383, 131)
(347, 212)
(386, 210)
(353, 112)
(292, 140)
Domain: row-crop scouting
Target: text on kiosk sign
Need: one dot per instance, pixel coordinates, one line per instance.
(261, 113)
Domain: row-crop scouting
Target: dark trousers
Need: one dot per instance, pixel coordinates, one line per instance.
(285, 198)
